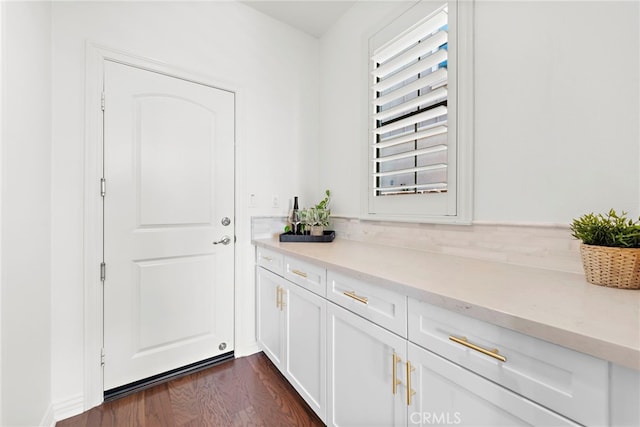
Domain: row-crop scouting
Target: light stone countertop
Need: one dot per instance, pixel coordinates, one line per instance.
(558, 307)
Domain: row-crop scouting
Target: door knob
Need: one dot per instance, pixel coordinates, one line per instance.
(225, 240)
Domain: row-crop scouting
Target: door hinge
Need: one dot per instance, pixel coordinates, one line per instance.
(103, 271)
(103, 187)
(102, 102)
(102, 357)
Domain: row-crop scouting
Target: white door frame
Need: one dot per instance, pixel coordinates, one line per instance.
(96, 55)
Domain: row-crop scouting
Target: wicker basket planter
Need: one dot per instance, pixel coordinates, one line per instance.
(613, 267)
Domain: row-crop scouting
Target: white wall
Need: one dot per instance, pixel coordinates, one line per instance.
(557, 115)
(26, 214)
(344, 102)
(557, 101)
(275, 69)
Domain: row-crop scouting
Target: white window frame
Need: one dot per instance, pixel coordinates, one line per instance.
(455, 205)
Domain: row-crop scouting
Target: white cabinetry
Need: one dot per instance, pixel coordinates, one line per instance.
(448, 394)
(382, 306)
(362, 354)
(270, 320)
(291, 331)
(625, 397)
(570, 383)
(271, 260)
(306, 345)
(363, 360)
(307, 275)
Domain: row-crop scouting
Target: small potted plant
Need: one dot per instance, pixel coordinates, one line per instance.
(316, 218)
(610, 249)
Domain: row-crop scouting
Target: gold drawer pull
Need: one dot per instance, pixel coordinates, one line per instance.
(396, 381)
(410, 391)
(493, 353)
(267, 258)
(353, 295)
(299, 273)
(280, 298)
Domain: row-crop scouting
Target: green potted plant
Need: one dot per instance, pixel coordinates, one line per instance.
(316, 218)
(610, 249)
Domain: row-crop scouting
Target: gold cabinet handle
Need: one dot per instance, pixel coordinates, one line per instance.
(493, 353)
(353, 295)
(410, 391)
(299, 273)
(396, 381)
(280, 298)
(266, 258)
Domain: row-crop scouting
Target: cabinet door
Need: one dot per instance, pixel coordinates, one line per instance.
(625, 395)
(269, 328)
(361, 370)
(306, 346)
(446, 394)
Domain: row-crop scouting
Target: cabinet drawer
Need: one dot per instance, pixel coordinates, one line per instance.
(382, 306)
(568, 382)
(307, 275)
(453, 395)
(271, 260)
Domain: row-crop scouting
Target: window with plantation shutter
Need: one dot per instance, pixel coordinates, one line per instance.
(414, 146)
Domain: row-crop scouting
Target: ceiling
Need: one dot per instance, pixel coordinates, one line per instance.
(311, 16)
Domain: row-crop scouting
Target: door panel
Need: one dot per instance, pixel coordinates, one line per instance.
(186, 191)
(168, 166)
(158, 296)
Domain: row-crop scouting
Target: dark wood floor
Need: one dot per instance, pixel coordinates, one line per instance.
(248, 391)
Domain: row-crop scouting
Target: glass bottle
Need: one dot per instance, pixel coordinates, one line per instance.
(294, 217)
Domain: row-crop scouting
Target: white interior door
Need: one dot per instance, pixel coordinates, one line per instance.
(168, 168)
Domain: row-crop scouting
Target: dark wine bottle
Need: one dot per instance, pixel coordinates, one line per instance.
(294, 218)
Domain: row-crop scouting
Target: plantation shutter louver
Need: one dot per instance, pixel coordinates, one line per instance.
(410, 134)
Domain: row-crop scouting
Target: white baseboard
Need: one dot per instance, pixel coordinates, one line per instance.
(69, 407)
(247, 349)
(48, 419)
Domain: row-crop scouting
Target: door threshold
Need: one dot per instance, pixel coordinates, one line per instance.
(127, 389)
